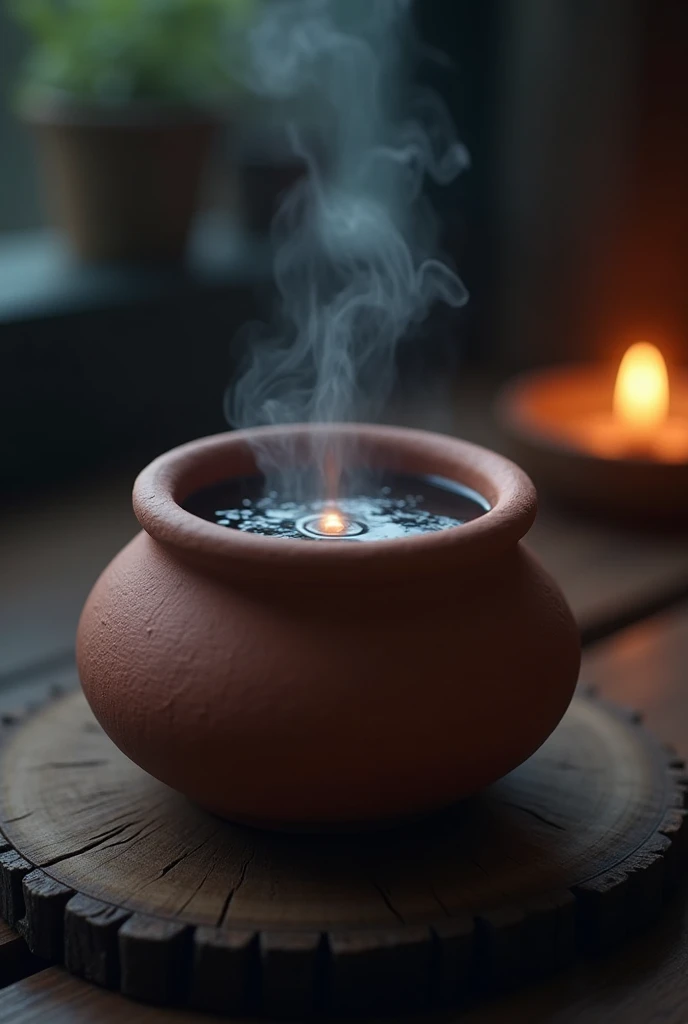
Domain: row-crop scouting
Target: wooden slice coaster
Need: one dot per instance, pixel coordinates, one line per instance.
(133, 887)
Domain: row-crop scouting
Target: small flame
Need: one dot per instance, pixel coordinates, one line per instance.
(332, 522)
(641, 393)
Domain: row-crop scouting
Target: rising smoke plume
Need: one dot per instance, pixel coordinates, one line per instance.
(355, 259)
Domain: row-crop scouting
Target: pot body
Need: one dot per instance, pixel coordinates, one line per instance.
(377, 688)
(300, 707)
(124, 189)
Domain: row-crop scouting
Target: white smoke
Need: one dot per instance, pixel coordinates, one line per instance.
(355, 259)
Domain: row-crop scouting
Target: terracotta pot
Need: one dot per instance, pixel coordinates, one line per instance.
(123, 186)
(287, 682)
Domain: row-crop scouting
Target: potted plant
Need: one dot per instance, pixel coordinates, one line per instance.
(124, 96)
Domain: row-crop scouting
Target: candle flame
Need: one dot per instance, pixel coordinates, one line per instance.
(641, 393)
(332, 522)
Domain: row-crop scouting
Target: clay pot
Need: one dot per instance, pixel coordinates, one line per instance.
(123, 185)
(287, 682)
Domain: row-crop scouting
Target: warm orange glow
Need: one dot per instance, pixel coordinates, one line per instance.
(641, 394)
(332, 522)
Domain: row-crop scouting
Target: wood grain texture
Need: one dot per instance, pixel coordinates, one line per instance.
(571, 851)
(155, 959)
(91, 943)
(647, 666)
(55, 997)
(225, 971)
(44, 908)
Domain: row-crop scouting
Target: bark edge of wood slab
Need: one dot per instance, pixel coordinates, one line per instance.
(130, 886)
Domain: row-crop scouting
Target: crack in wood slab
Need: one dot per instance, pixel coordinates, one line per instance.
(182, 857)
(386, 899)
(234, 890)
(92, 845)
(533, 814)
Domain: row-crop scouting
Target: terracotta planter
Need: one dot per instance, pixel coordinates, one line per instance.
(123, 186)
(286, 683)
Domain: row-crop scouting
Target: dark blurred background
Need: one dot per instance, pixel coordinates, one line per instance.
(569, 230)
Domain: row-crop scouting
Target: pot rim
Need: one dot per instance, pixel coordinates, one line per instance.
(163, 485)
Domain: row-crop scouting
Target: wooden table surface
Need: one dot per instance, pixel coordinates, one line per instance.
(51, 551)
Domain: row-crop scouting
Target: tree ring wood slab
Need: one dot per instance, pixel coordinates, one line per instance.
(131, 886)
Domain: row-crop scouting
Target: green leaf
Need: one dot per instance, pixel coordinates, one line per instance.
(122, 50)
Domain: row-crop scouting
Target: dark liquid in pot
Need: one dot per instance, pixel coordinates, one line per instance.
(397, 506)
